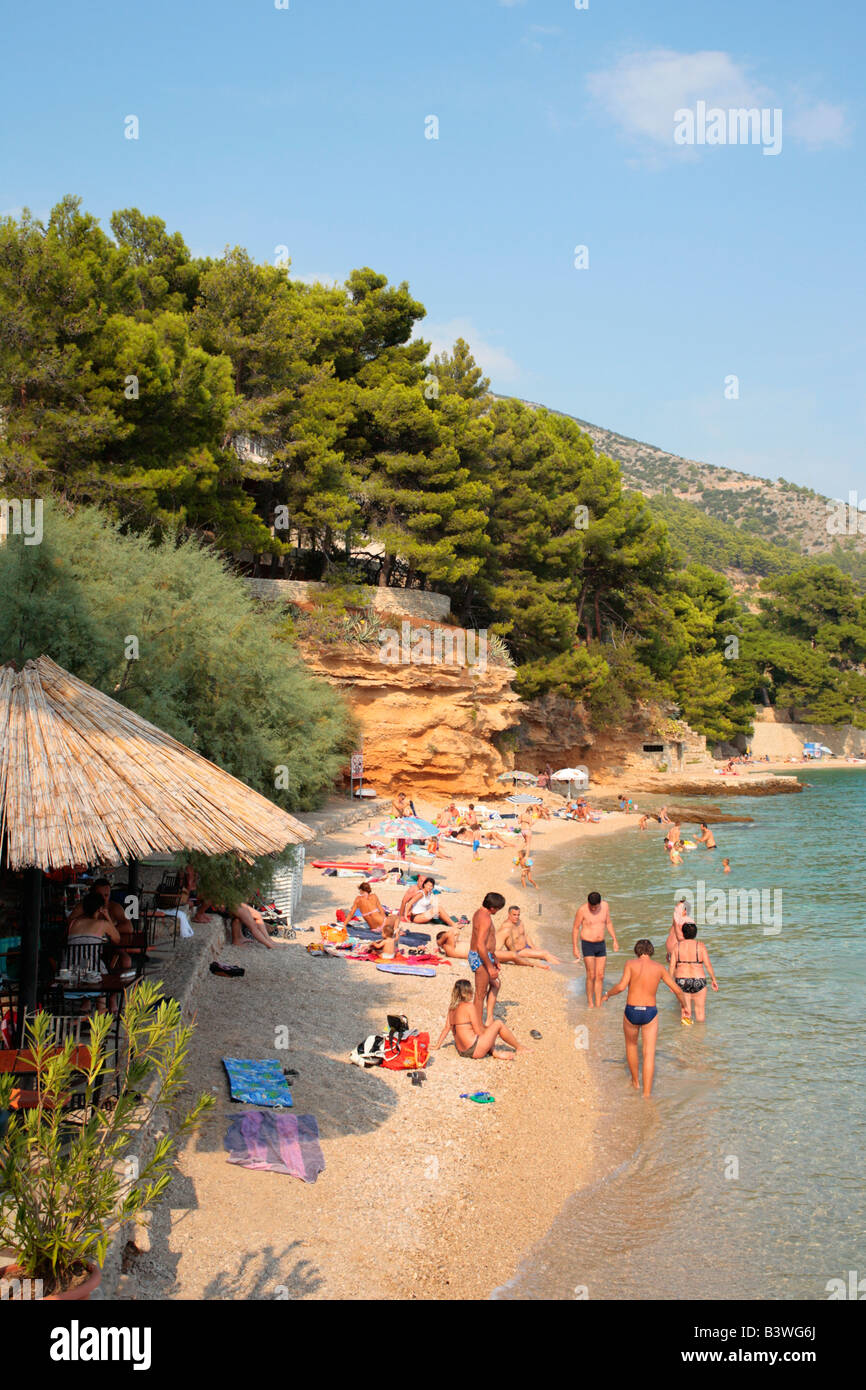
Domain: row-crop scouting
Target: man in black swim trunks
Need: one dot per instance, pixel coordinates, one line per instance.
(591, 923)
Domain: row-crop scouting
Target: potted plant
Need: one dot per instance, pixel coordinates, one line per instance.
(67, 1182)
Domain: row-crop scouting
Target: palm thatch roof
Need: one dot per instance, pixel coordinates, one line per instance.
(83, 780)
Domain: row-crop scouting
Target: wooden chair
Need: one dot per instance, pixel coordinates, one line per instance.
(168, 897)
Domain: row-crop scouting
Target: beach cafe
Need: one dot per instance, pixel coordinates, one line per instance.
(87, 785)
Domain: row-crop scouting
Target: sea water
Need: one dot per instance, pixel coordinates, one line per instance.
(743, 1175)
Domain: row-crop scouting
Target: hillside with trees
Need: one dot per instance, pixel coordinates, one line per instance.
(219, 410)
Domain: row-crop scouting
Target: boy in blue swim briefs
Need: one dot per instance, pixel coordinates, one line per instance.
(642, 978)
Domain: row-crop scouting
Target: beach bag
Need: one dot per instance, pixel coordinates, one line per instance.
(370, 1052)
(335, 936)
(407, 1054)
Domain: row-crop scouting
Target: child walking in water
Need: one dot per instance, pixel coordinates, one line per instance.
(524, 865)
(642, 978)
(471, 1037)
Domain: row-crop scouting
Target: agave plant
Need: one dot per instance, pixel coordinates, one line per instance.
(65, 1187)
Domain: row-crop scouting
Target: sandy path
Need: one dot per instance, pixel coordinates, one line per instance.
(404, 1164)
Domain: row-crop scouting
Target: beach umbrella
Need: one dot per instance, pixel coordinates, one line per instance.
(572, 774)
(84, 780)
(524, 799)
(405, 828)
(426, 826)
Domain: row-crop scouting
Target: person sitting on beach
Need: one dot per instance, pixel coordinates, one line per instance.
(418, 905)
(93, 925)
(514, 944)
(664, 818)
(642, 978)
(448, 819)
(689, 969)
(591, 922)
(243, 915)
(707, 837)
(472, 1037)
(370, 908)
(524, 866)
(473, 829)
(387, 947)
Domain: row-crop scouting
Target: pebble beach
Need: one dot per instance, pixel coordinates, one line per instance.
(410, 1170)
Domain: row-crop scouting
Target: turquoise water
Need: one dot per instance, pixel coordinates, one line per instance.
(742, 1176)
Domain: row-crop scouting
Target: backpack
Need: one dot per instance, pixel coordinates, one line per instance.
(370, 1052)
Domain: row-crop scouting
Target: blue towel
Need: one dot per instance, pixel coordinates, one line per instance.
(257, 1083)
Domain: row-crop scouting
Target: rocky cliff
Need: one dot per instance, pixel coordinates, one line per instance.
(439, 728)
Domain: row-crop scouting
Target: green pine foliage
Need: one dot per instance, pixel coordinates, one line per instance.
(371, 461)
(166, 629)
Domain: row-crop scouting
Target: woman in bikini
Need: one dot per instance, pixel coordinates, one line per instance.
(471, 1037)
(372, 911)
(690, 965)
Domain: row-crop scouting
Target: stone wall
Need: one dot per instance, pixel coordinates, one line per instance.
(415, 603)
(780, 739)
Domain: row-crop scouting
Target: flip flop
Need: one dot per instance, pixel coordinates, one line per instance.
(534, 1033)
(481, 1097)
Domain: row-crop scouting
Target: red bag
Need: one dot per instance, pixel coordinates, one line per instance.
(408, 1054)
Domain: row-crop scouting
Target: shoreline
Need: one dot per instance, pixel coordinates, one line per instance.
(407, 1167)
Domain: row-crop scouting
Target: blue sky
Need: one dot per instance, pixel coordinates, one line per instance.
(305, 127)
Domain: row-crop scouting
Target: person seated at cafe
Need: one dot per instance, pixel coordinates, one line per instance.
(115, 912)
(93, 925)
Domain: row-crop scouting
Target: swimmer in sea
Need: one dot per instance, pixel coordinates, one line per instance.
(642, 978)
(707, 837)
(726, 866)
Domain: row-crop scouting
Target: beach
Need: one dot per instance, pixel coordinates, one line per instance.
(423, 1192)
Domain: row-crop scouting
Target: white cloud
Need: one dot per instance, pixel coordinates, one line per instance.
(494, 361)
(643, 90)
(819, 125)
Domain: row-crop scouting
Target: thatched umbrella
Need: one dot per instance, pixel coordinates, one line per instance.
(83, 780)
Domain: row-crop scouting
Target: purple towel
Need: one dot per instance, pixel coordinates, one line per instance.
(278, 1143)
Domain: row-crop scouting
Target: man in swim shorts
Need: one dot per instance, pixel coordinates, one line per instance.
(707, 837)
(514, 944)
(482, 955)
(642, 978)
(591, 923)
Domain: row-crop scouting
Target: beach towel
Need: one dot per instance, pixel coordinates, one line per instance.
(426, 959)
(257, 1083)
(276, 1143)
(400, 969)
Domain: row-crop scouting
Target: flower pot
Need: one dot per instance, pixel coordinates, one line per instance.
(79, 1293)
